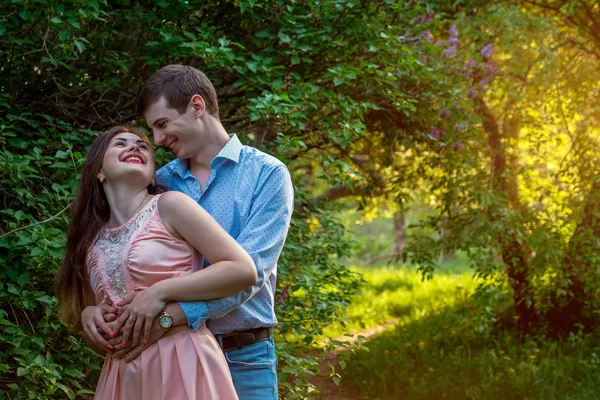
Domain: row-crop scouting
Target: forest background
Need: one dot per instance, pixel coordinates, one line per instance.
(472, 125)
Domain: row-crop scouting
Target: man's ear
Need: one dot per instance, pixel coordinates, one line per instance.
(198, 104)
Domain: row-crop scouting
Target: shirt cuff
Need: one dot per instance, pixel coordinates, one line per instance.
(196, 313)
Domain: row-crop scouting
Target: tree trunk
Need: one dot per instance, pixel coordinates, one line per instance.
(504, 182)
(399, 234)
(580, 263)
(448, 247)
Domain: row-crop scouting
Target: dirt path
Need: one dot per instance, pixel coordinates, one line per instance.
(329, 390)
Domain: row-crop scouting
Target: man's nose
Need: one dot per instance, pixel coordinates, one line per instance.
(158, 137)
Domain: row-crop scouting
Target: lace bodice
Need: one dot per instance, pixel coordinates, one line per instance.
(111, 247)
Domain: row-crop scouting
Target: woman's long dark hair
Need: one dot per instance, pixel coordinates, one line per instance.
(89, 213)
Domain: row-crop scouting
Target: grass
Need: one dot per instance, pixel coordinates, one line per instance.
(392, 293)
(434, 352)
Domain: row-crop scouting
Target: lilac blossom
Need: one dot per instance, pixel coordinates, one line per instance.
(487, 51)
(426, 36)
(449, 52)
(419, 20)
(453, 41)
(283, 296)
(453, 31)
(492, 69)
(445, 113)
(461, 127)
(458, 146)
(436, 133)
(424, 18)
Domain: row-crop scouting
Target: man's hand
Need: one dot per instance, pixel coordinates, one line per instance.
(95, 327)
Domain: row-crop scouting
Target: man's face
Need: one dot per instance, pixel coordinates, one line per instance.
(182, 133)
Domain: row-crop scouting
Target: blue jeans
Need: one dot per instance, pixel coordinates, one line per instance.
(254, 371)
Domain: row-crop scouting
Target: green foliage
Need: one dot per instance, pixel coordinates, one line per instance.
(401, 103)
(307, 81)
(435, 350)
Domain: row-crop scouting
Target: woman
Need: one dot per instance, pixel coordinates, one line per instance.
(124, 238)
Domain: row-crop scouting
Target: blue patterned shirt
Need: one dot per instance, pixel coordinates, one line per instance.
(250, 194)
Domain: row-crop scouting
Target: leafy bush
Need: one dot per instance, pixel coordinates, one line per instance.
(301, 80)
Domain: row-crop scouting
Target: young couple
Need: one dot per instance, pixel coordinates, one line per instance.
(176, 288)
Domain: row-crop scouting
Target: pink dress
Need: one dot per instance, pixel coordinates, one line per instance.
(183, 364)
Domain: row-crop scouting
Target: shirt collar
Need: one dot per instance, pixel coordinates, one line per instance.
(230, 151)
(180, 167)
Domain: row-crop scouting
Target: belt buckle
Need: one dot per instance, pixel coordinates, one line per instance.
(238, 341)
(236, 337)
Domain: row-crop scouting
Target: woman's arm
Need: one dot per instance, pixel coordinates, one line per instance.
(231, 270)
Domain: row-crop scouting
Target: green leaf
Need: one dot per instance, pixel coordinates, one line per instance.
(36, 251)
(61, 154)
(45, 299)
(23, 278)
(37, 340)
(288, 369)
(64, 35)
(283, 37)
(65, 389)
(305, 47)
(56, 20)
(22, 371)
(80, 45)
(75, 373)
(252, 66)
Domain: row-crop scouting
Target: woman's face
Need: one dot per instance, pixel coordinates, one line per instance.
(128, 159)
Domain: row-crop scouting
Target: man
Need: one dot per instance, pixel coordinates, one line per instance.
(249, 193)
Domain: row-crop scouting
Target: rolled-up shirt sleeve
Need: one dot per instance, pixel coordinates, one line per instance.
(262, 236)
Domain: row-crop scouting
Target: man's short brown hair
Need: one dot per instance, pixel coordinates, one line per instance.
(178, 83)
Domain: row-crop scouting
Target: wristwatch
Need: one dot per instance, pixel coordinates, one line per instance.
(165, 320)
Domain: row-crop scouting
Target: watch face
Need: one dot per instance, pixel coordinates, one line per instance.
(165, 321)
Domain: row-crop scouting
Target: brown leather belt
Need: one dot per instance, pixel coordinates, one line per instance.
(241, 339)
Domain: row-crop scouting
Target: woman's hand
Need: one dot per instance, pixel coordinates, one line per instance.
(138, 313)
(95, 327)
